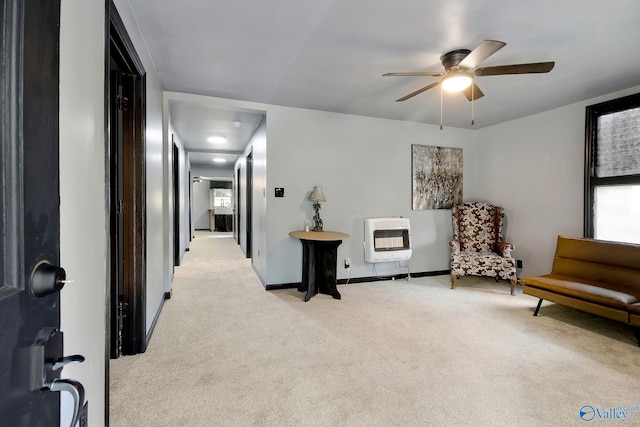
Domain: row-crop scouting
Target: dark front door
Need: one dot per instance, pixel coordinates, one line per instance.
(31, 353)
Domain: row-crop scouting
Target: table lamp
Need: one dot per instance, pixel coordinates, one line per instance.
(317, 196)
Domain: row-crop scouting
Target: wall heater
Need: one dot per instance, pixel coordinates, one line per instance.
(387, 239)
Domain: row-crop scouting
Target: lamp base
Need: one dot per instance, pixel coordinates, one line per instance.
(317, 222)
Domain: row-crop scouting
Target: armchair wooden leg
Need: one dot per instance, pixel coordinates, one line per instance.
(453, 281)
(513, 286)
(636, 332)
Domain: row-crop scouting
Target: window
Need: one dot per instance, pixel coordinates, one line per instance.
(221, 197)
(612, 175)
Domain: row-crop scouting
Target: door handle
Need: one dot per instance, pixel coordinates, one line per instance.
(45, 361)
(76, 389)
(60, 363)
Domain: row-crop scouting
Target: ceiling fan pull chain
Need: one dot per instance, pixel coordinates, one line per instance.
(440, 107)
(473, 83)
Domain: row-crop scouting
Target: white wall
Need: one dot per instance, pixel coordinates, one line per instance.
(211, 171)
(83, 224)
(257, 146)
(200, 197)
(534, 168)
(364, 167)
(83, 192)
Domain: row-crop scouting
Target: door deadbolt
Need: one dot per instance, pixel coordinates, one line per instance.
(47, 279)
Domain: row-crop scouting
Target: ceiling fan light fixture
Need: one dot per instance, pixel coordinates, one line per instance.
(457, 81)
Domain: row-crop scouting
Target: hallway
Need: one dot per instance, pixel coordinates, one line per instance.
(168, 384)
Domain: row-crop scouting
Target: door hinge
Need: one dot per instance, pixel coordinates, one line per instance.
(119, 205)
(122, 102)
(123, 309)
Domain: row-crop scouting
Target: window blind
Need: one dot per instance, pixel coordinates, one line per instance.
(618, 144)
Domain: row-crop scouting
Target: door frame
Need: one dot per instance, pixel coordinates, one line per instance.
(237, 204)
(249, 208)
(176, 203)
(120, 46)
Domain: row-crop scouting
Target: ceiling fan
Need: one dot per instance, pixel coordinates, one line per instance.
(461, 66)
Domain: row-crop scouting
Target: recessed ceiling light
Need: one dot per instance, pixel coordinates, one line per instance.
(217, 139)
(219, 160)
(236, 123)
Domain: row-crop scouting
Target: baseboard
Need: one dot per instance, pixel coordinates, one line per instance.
(155, 320)
(283, 286)
(392, 277)
(360, 279)
(255, 270)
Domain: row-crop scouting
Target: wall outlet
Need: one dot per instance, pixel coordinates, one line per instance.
(347, 263)
(518, 263)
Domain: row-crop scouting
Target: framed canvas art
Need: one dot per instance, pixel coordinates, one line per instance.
(436, 175)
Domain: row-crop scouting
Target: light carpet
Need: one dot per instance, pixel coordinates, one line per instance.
(225, 352)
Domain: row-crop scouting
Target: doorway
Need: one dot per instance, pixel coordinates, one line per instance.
(237, 207)
(249, 204)
(176, 204)
(125, 86)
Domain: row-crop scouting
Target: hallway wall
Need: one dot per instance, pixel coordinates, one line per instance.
(83, 210)
(83, 191)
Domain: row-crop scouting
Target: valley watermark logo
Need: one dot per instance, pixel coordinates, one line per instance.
(615, 413)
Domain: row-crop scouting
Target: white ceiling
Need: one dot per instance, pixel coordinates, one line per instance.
(194, 124)
(330, 54)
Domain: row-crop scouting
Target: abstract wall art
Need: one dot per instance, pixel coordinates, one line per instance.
(436, 174)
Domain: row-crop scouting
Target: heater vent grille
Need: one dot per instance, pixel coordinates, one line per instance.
(387, 239)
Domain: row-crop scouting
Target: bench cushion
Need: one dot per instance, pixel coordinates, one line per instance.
(592, 291)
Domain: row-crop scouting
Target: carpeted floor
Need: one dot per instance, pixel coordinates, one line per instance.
(225, 352)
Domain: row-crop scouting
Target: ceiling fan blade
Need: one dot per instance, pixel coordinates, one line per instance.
(535, 67)
(477, 93)
(417, 92)
(417, 73)
(482, 52)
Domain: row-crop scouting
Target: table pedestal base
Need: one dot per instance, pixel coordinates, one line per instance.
(319, 268)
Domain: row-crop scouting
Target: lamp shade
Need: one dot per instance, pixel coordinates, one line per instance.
(317, 195)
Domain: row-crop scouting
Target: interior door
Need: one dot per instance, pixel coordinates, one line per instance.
(31, 343)
(249, 208)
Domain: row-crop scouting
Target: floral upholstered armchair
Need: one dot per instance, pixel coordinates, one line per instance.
(477, 246)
